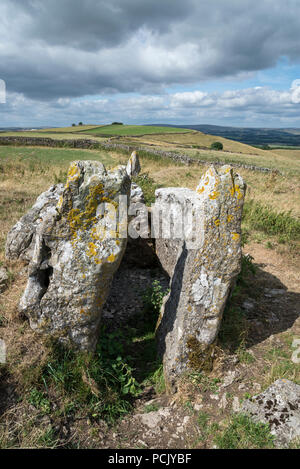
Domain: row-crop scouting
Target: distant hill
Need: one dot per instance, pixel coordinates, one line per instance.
(248, 135)
(18, 129)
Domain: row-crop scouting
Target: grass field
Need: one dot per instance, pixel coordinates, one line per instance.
(53, 135)
(77, 128)
(128, 130)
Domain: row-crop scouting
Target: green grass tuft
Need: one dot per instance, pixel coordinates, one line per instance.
(243, 433)
(263, 218)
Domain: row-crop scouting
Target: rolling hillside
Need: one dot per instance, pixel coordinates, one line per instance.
(251, 136)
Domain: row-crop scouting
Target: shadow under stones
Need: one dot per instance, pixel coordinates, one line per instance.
(167, 321)
(260, 307)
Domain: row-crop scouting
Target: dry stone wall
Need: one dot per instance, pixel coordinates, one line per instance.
(111, 145)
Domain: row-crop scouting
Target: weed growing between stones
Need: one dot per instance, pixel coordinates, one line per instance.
(148, 186)
(101, 385)
(153, 298)
(140, 339)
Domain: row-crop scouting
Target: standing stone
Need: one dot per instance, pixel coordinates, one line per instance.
(133, 167)
(171, 223)
(140, 251)
(279, 407)
(203, 270)
(78, 247)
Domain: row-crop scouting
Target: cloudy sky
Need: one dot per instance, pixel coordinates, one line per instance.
(222, 62)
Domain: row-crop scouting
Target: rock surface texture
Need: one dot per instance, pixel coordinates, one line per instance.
(278, 406)
(77, 248)
(203, 267)
(4, 279)
(20, 240)
(133, 167)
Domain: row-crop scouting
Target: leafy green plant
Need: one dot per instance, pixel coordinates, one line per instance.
(153, 297)
(102, 383)
(39, 400)
(148, 186)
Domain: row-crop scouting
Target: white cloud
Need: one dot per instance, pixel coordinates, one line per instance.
(251, 106)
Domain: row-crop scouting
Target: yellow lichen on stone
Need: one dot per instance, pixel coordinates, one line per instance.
(92, 251)
(229, 218)
(236, 190)
(214, 195)
(111, 258)
(60, 203)
(201, 190)
(73, 174)
(217, 222)
(235, 236)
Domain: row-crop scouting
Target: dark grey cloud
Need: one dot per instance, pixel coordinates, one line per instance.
(91, 24)
(71, 48)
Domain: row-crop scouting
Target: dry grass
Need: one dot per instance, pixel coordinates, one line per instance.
(77, 128)
(66, 135)
(286, 161)
(198, 138)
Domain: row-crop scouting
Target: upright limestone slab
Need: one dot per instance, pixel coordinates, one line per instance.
(133, 167)
(172, 223)
(202, 274)
(77, 250)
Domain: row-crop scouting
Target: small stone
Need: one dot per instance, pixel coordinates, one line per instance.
(274, 291)
(136, 194)
(256, 387)
(198, 407)
(229, 379)
(278, 406)
(4, 278)
(248, 305)
(223, 402)
(142, 443)
(236, 404)
(153, 419)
